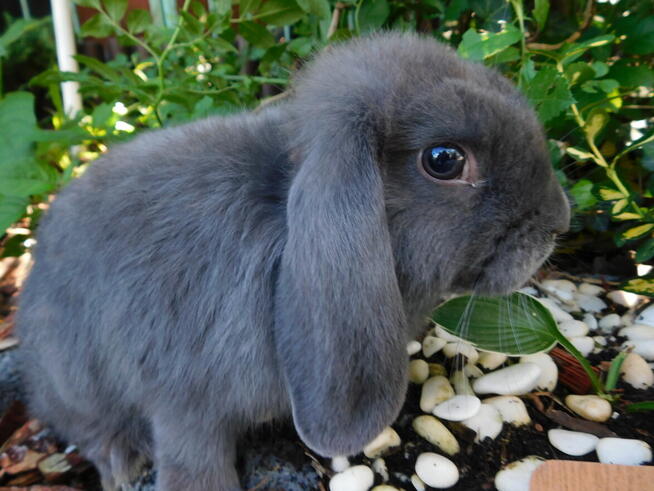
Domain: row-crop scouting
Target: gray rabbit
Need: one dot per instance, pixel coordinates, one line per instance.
(201, 280)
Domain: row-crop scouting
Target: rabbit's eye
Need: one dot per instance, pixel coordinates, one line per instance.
(443, 161)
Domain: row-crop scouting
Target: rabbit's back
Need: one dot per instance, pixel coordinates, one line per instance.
(152, 282)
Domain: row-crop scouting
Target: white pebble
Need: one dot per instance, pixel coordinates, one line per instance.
(432, 345)
(516, 475)
(609, 322)
(491, 360)
(590, 289)
(413, 347)
(590, 321)
(458, 408)
(549, 372)
(384, 487)
(642, 347)
(637, 332)
(340, 463)
(588, 303)
(636, 372)
(646, 317)
(461, 384)
(573, 328)
(452, 349)
(472, 371)
(418, 371)
(436, 471)
(623, 451)
(379, 466)
(511, 408)
(628, 318)
(556, 311)
(356, 478)
(572, 442)
(514, 380)
(601, 340)
(387, 439)
(487, 423)
(584, 344)
(570, 307)
(529, 290)
(443, 334)
(626, 299)
(563, 289)
(436, 433)
(590, 407)
(434, 391)
(418, 483)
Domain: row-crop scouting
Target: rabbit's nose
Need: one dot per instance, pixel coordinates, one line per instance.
(561, 216)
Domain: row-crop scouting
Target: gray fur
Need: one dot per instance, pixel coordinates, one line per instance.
(201, 280)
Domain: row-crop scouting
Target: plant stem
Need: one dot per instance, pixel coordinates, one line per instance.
(614, 371)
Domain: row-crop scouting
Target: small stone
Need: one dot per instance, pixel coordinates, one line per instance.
(572, 442)
(562, 289)
(387, 439)
(437, 369)
(418, 483)
(590, 289)
(646, 317)
(54, 465)
(472, 371)
(516, 475)
(609, 322)
(436, 471)
(458, 408)
(436, 433)
(556, 311)
(443, 334)
(601, 340)
(461, 384)
(490, 360)
(549, 372)
(590, 321)
(460, 348)
(511, 408)
(418, 371)
(626, 299)
(592, 408)
(379, 466)
(529, 290)
(514, 380)
(432, 345)
(588, 303)
(642, 347)
(384, 487)
(356, 478)
(636, 372)
(340, 463)
(623, 451)
(413, 347)
(573, 328)
(637, 332)
(584, 344)
(434, 391)
(487, 423)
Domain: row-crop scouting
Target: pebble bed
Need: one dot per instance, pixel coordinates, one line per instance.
(461, 397)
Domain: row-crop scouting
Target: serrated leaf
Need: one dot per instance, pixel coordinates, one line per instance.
(116, 8)
(608, 194)
(636, 232)
(549, 92)
(579, 154)
(541, 11)
(515, 325)
(97, 26)
(100, 68)
(138, 20)
(480, 45)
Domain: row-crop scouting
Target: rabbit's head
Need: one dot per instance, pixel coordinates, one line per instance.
(419, 175)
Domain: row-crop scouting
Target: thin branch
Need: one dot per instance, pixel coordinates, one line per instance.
(336, 18)
(588, 18)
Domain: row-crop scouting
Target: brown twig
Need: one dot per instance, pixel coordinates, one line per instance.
(589, 10)
(336, 17)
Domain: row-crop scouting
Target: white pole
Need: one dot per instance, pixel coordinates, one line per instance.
(65, 38)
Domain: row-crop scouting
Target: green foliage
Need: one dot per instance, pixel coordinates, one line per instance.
(586, 66)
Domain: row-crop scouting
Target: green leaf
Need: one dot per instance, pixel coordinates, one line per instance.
(515, 325)
(97, 26)
(645, 252)
(641, 286)
(579, 154)
(280, 12)
(582, 192)
(619, 205)
(578, 73)
(116, 8)
(257, 35)
(100, 68)
(640, 406)
(480, 45)
(319, 8)
(541, 11)
(249, 6)
(11, 209)
(636, 232)
(301, 46)
(23, 186)
(626, 216)
(575, 50)
(614, 370)
(608, 194)
(373, 14)
(595, 122)
(220, 7)
(18, 125)
(138, 20)
(632, 76)
(88, 3)
(638, 32)
(549, 92)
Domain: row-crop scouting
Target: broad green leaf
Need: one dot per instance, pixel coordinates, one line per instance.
(582, 192)
(16, 30)
(600, 68)
(280, 12)
(115, 8)
(97, 26)
(301, 46)
(645, 252)
(480, 45)
(23, 186)
(515, 325)
(638, 32)
(373, 14)
(632, 75)
(549, 92)
(641, 286)
(579, 154)
(619, 205)
(220, 7)
(578, 73)
(11, 209)
(100, 68)
(319, 8)
(575, 50)
(257, 35)
(626, 216)
(138, 20)
(249, 6)
(19, 128)
(541, 11)
(608, 194)
(635, 232)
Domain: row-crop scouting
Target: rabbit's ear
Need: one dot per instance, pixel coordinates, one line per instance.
(340, 327)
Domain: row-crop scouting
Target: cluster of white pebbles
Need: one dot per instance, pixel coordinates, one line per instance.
(483, 393)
